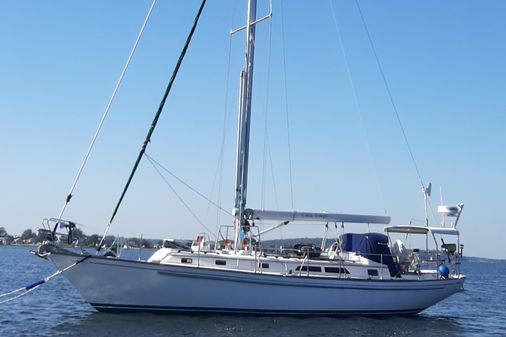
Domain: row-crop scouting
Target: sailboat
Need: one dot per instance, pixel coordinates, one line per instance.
(368, 273)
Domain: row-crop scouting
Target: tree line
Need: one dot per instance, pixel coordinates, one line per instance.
(78, 237)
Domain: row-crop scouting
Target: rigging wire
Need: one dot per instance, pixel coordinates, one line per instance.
(194, 190)
(218, 172)
(355, 97)
(104, 115)
(155, 119)
(276, 200)
(266, 113)
(152, 161)
(389, 93)
(224, 134)
(393, 103)
(286, 104)
(225, 119)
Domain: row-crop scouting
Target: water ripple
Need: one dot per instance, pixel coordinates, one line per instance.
(56, 309)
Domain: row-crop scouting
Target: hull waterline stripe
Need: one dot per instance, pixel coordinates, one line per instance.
(174, 310)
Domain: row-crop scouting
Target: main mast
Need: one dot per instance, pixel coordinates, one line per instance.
(243, 122)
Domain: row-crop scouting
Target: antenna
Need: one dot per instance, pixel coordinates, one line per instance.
(443, 222)
(426, 194)
(451, 211)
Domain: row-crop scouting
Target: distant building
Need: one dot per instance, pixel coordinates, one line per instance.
(6, 240)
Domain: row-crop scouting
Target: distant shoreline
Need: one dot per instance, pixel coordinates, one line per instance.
(136, 248)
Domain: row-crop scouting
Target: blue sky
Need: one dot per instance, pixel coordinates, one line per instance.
(444, 62)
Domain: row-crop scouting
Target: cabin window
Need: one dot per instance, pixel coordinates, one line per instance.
(372, 272)
(311, 268)
(220, 262)
(186, 260)
(263, 265)
(336, 270)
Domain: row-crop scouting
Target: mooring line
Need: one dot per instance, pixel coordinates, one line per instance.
(35, 285)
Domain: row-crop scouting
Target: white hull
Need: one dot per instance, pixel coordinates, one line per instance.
(124, 285)
(357, 274)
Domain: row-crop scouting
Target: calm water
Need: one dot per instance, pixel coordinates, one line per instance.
(56, 309)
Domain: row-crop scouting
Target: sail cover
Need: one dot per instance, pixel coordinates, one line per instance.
(373, 246)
